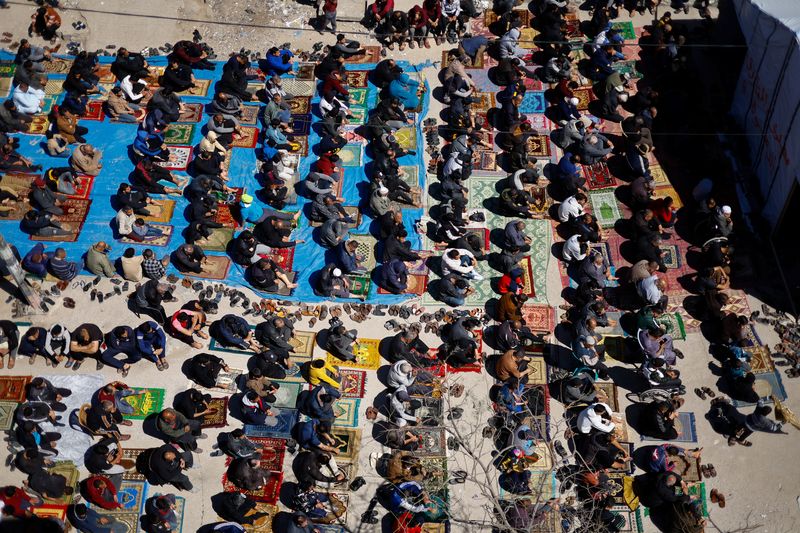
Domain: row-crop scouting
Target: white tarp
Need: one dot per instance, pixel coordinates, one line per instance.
(767, 99)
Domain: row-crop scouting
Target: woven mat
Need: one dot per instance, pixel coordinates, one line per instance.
(21, 184)
(417, 285)
(12, 388)
(73, 476)
(145, 401)
(179, 158)
(191, 113)
(269, 493)
(218, 240)
(610, 392)
(367, 356)
(766, 385)
(372, 55)
(94, 111)
(346, 412)
(605, 207)
(684, 425)
(161, 240)
(247, 139)
(286, 395)
(75, 220)
(539, 318)
(366, 248)
(200, 88)
(249, 116)
(7, 409)
(216, 268)
(352, 210)
(348, 442)
(220, 418)
(179, 133)
(597, 176)
(533, 102)
(351, 155)
(278, 426)
(538, 368)
(352, 383)
(162, 212)
(585, 95)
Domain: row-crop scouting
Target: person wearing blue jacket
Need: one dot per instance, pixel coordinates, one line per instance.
(394, 276)
(121, 340)
(277, 62)
(151, 341)
(346, 257)
(232, 330)
(151, 145)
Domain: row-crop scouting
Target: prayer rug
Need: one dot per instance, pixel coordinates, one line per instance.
(737, 303)
(276, 452)
(216, 268)
(200, 88)
(684, 425)
(663, 191)
(299, 105)
(533, 102)
(248, 138)
(330, 528)
(299, 145)
(625, 29)
(57, 65)
(12, 388)
(7, 409)
(94, 111)
(417, 284)
(540, 122)
(446, 61)
(49, 102)
(539, 146)
(359, 115)
(5, 87)
(283, 257)
(179, 158)
(303, 343)
(483, 101)
(486, 161)
(220, 418)
(286, 395)
(434, 442)
(672, 255)
(597, 176)
(268, 493)
(300, 124)
(72, 475)
(7, 69)
(305, 71)
(74, 220)
(227, 380)
(21, 184)
(217, 241)
(420, 266)
(367, 356)
(633, 519)
(356, 78)
(539, 318)
(481, 233)
(475, 367)
(352, 210)
(54, 511)
(585, 95)
(350, 155)
(611, 394)
(358, 97)
(760, 359)
(278, 426)
(348, 442)
(407, 138)
(366, 249)
(372, 55)
(627, 67)
(54, 87)
(132, 454)
(297, 87)
(605, 207)
(766, 385)
(179, 133)
(191, 113)
(346, 412)
(410, 175)
(687, 468)
(351, 134)
(658, 174)
(352, 383)
(83, 186)
(160, 240)
(131, 495)
(604, 249)
(527, 276)
(145, 402)
(249, 116)
(538, 368)
(263, 525)
(678, 328)
(39, 125)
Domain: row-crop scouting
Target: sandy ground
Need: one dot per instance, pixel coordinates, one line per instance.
(761, 482)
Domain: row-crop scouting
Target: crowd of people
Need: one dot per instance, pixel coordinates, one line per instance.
(147, 98)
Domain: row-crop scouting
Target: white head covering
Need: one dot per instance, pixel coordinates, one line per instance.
(337, 272)
(726, 210)
(574, 101)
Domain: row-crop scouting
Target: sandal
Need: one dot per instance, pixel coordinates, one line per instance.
(712, 472)
(709, 392)
(458, 477)
(700, 393)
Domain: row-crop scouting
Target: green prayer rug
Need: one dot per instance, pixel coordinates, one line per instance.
(359, 285)
(179, 134)
(625, 29)
(145, 402)
(605, 207)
